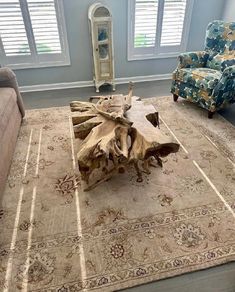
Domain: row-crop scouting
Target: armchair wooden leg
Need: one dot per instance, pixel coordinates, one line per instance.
(210, 115)
(175, 97)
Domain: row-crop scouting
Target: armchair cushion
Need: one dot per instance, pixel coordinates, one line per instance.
(199, 78)
(193, 59)
(221, 61)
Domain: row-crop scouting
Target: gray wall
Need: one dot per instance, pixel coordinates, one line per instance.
(229, 11)
(80, 69)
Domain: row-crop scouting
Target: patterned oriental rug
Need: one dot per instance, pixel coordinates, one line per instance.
(181, 218)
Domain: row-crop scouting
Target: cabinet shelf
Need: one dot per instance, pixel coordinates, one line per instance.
(104, 42)
(104, 60)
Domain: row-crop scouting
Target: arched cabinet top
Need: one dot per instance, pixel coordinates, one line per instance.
(98, 10)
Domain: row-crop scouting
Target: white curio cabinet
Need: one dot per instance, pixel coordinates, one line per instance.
(101, 29)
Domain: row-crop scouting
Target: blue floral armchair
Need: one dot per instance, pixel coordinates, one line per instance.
(208, 77)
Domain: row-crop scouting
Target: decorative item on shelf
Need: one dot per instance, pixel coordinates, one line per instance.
(101, 29)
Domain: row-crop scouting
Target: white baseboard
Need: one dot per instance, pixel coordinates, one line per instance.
(54, 86)
(79, 84)
(134, 79)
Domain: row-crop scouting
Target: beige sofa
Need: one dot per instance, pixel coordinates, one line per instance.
(11, 114)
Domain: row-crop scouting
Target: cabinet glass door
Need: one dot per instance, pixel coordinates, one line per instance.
(103, 33)
(103, 50)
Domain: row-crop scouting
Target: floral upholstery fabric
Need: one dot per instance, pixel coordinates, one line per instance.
(221, 61)
(193, 59)
(202, 78)
(208, 77)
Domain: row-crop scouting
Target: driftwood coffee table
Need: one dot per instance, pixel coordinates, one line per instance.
(117, 131)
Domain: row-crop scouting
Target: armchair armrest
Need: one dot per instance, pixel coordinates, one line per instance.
(8, 79)
(227, 64)
(225, 89)
(193, 59)
(229, 72)
(227, 81)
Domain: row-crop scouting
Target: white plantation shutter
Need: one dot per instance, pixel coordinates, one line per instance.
(157, 28)
(145, 23)
(32, 33)
(173, 22)
(12, 29)
(44, 25)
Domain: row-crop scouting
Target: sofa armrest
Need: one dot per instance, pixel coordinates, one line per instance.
(8, 79)
(193, 59)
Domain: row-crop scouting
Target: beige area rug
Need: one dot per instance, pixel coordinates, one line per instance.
(181, 218)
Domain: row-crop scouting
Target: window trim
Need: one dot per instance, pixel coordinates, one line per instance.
(45, 60)
(155, 52)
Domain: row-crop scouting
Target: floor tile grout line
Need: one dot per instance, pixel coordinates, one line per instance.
(16, 223)
(30, 231)
(79, 225)
(202, 172)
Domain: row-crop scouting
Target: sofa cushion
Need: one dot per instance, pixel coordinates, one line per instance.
(8, 100)
(221, 61)
(202, 78)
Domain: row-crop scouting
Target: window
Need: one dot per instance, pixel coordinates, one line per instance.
(157, 28)
(32, 34)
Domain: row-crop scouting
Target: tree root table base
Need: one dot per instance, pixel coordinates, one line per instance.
(117, 131)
